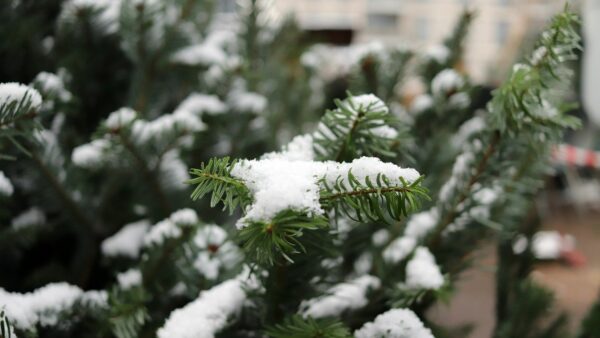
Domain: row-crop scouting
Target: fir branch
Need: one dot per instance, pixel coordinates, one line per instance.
(215, 177)
(375, 201)
(266, 243)
(454, 45)
(128, 312)
(73, 208)
(527, 315)
(521, 94)
(350, 130)
(480, 168)
(590, 326)
(85, 227)
(150, 175)
(298, 327)
(522, 101)
(152, 268)
(13, 111)
(455, 41)
(6, 328)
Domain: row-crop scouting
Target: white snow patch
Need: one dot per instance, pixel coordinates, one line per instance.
(52, 84)
(439, 53)
(422, 272)
(277, 184)
(341, 297)
(446, 81)
(380, 237)
(199, 104)
(395, 323)
(170, 227)
(216, 252)
(551, 244)
(16, 92)
(245, 101)
(204, 54)
(421, 223)
(126, 242)
(31, 217)
(129, 278)
(6, 187)
(44, 306)
(120, 118)
(469, 128)
(90, 155)
(421, 103)
(399, 249)
(209, 313)
(299, 149)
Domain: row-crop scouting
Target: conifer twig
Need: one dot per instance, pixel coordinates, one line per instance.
(480, 169)
(150, 175)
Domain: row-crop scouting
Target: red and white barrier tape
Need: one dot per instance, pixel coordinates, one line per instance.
(567, 154)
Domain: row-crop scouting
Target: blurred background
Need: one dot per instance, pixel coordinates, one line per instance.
(501, 32)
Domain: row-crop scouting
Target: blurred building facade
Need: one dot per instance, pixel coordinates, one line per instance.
(499, 30)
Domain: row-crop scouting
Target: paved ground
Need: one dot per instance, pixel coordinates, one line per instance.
(575, 288)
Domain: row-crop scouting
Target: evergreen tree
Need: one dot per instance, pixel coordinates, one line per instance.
(334, 235)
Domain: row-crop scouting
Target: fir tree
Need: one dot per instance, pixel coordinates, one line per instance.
(334, 235)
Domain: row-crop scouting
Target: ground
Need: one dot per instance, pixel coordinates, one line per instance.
(576, 288)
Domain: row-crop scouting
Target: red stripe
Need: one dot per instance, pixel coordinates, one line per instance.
(571, 157)
(591, 159)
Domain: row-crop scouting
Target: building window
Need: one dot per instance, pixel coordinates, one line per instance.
(502, 32)
(226, 6)
(382, 21)
(422, 28)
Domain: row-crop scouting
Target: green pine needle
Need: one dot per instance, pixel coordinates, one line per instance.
(16, 110)
(526, 100)
(215, 177)
(346, 133)
(373, 201)
(269, 243)
(298, 327)
(6, 330)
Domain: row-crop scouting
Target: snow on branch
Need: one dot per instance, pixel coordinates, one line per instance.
(6, 187)
(17, 100)
(342, 297)
(126, 242)
(359, 126)
(215, 252)
(170, 227)
(395, 323)
(277, 185)
(46, 305)
(210, 312)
